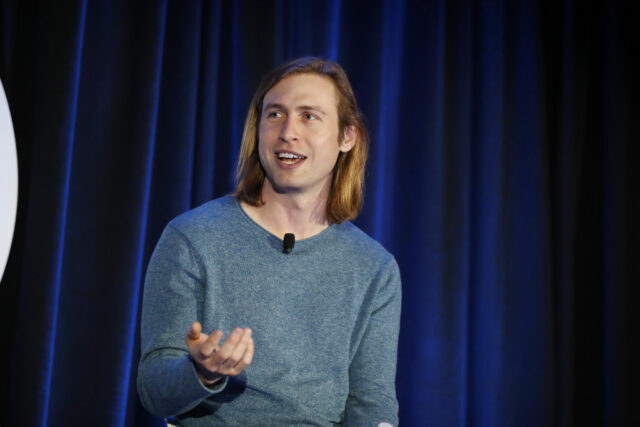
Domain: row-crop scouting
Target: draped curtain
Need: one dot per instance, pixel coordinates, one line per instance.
(500, 175)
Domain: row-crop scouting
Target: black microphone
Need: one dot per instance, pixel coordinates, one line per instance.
(288, 243)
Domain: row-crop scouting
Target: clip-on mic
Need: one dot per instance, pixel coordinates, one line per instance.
(288, 243)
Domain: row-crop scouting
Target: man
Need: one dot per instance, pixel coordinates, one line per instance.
(314, 327)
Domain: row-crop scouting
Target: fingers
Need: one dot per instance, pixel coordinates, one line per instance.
(237, 354)
(229, 346)
(229, 359)
(246, 358)
(210, 346)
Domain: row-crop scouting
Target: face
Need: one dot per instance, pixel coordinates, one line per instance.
(298, 137)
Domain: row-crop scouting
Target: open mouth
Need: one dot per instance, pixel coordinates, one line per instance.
(290, 158)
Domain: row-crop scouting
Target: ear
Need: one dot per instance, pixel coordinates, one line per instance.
(349, 138)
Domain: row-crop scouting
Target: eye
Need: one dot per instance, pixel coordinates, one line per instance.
(274, 114)
(309, 116)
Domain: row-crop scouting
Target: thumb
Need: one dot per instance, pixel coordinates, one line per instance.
(194, 331)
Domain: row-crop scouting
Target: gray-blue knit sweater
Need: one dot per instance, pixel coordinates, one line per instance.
(325, 322)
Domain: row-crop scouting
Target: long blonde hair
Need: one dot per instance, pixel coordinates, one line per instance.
(347, 183)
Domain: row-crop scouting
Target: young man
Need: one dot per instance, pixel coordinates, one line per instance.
(314, 328)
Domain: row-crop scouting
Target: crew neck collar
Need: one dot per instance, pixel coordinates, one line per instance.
(303, 242)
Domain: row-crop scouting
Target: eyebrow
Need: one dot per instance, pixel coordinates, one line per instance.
(312, 108)
(298, 108)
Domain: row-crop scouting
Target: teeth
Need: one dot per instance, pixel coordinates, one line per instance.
(289, 156)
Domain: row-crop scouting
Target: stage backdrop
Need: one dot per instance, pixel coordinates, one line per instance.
(503, 152)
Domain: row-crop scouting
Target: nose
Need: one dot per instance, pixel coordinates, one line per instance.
(289, 132)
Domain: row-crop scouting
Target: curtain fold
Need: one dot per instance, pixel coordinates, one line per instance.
(501, 173)
(56, 96)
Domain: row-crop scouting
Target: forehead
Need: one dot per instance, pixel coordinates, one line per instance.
(303, 89)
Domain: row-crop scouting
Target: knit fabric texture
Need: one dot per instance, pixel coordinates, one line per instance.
(325, 321)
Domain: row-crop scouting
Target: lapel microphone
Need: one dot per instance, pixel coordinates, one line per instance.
(288, 243)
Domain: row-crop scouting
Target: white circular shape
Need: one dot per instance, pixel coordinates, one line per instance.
(8, 180)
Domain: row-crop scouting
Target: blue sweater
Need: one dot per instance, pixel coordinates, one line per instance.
(325, 322)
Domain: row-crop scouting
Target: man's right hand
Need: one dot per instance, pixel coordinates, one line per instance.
(214, 362)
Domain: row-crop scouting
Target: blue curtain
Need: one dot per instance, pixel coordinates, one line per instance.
(503, 157)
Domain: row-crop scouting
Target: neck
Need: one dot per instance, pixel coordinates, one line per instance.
(302, 214)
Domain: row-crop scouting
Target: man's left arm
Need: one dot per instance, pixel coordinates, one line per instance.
(372, 394)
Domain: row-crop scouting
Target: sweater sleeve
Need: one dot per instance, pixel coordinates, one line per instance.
(172, 300)
(372, 395)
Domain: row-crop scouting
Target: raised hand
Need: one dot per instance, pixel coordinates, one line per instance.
(213, 361)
